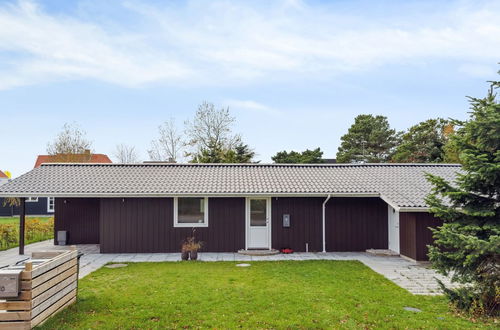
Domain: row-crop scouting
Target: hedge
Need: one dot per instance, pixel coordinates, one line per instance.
(36, 230)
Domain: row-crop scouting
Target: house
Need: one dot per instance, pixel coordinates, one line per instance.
(3, 178)
(133, 208)
(45, 205)
(85, 157)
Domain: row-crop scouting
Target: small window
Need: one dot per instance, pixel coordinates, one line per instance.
(190, 212)
(50, 204)
(32, 199)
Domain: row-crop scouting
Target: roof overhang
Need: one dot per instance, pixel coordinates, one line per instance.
(221, 195)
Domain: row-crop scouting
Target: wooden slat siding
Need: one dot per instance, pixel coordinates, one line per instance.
(80, 217)
(305, 223)
(62, 303)
(53, 263)
(15, 305)
(356, 224)
(67, 275)
(407, 235)
(415, 234)
(145, 225)
(47, 288)
(15, 325)
(14, 316)
(52, 273)
(69, 282)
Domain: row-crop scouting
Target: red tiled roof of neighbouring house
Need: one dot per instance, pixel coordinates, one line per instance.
(3, 175)
(75, 158)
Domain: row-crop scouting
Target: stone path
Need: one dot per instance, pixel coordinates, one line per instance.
(414, 277)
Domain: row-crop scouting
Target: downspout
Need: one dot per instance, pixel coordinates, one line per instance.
(324, 221)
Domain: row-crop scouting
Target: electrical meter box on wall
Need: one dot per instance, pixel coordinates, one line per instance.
(286, 220)
(10, 282)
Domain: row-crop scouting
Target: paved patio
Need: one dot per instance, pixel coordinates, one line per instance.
(414, 277)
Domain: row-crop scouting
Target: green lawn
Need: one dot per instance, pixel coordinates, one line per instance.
(16, 219)
(286, 294)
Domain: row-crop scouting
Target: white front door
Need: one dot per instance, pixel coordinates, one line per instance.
(258, 218)
(393, 229)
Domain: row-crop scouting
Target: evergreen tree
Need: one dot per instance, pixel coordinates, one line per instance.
(424, 142)
(467, 246)
(216, 153)
(370, 140)
(240, 154)
(293, 157)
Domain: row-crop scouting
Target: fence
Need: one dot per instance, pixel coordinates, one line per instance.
(46, 289)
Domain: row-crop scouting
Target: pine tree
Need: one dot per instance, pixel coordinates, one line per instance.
(467, 246)
(307, 156)
(369, 140)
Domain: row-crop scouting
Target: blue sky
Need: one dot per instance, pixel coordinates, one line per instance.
(294, 73)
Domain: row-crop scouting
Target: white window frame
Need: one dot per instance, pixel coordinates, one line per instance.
(31, 199)
(190, 225)
(49, 209)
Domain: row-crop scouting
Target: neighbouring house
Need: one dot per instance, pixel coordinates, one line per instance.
(132, 208)
(45, 205)
(3, 178)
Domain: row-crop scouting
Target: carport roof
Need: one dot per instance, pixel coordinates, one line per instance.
(400, 185)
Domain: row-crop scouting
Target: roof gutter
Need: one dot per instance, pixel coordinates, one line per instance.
(166, 195)
(324, 221)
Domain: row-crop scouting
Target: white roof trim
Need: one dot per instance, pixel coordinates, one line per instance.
(164, 195)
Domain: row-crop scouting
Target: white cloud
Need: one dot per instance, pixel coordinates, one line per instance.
(219, 42)
(249, 105)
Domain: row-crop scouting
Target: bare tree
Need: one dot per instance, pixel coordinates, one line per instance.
(126, 154)
(70, 145)
(211, 127)
(169, 145)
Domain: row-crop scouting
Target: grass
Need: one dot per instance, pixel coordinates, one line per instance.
(280, 294)
(15, 220)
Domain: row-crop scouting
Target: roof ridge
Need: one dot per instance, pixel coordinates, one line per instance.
(258, 164)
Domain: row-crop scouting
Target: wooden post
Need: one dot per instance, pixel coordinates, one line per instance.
(22, 218)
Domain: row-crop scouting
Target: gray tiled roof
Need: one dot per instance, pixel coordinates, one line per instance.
(402, 185)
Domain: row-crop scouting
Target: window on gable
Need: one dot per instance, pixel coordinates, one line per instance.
(190, 212)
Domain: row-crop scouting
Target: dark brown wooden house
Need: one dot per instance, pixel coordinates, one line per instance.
(153, 207)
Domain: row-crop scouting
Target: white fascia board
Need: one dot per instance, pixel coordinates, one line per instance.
(159, 195)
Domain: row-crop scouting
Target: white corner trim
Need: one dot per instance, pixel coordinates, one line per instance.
(190, 225)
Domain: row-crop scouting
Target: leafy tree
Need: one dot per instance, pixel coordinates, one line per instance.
(370, 139)
(70, 145)
(293, 157)
(424, 142)
(211, 137)
(468, 244)
(210, 128)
